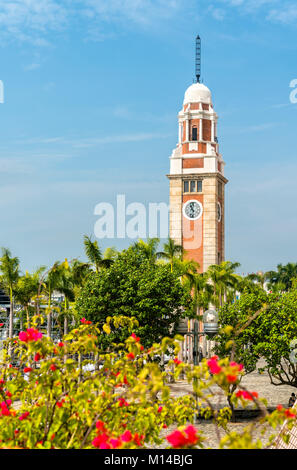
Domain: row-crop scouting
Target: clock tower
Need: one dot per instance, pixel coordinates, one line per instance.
(197, 181)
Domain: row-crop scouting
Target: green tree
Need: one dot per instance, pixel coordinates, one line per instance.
(283, 277)
(171, 252)
(149, 249)
(133, 286)
(277, 338)
(94, 254)
(224, 281)
(238, 333)
(9, 268)
(27, 290)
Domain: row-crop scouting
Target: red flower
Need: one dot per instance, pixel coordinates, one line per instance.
(214, 366)
(185, 438)
(122, 402)
(177, 361)
(61, 345)
(160, 409)
(231, 378)
(27, 369)
(136, 338)
(101, 441)
(192, 434)
(53, 367)
(100, 426)
(1, 324)
(24, 416)
(130, 356)
(85, 322)
(237, 366)
(32, 334)
(8, 394)
(290, 414)
(37, 357)
(138, 440)
(115, 443)
(279, 407)
(246, 395)
(127, 436)
(177, 439)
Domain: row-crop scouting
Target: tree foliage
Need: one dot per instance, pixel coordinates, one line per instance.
(133, 286)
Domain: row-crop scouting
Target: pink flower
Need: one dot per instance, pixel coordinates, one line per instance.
(237, 366)
(191, 432)
(214, 366)
(100, 426)
(136, 338)
(115, 443)
(32, 334)
(177, 439)
(24, 416)
(188, 437)
(246, 395)
(127, 436)
(160, 409)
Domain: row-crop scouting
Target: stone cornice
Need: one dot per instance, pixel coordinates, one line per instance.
(199, 175)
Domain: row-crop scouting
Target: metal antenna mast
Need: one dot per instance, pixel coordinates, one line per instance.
(198, 58)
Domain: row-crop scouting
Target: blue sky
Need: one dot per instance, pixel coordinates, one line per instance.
(92, 92)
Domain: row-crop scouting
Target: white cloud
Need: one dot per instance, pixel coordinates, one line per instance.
(273, 10)
(32, 20)
(285, 15)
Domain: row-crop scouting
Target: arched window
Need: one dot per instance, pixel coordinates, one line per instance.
(194, 133)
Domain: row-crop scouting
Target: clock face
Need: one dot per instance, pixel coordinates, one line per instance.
(219, 212)
(193, 210)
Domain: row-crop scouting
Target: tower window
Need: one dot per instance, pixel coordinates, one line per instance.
(194, 133)
(186, 186)
(199, 186)
(220, 189)
(193, 186)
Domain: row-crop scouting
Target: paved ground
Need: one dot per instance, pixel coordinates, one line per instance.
(274, 395)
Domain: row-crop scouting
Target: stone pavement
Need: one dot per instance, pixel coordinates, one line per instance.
(274, 395)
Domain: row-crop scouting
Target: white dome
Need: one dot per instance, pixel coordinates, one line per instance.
(197, 93)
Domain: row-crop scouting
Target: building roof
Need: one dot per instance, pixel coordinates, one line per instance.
(197, 93)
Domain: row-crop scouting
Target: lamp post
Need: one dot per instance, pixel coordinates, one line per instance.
(210, 328)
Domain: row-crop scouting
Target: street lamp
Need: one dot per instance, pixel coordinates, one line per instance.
(211, 322)
(210, 328)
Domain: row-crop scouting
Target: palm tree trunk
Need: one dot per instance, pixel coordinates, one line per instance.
(11, 315)
(49, 315)
(28, 317)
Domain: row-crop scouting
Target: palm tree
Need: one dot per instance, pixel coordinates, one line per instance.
(65, 285)
(52, 280)
(202, 291)
(223, 279)
(26, 289)
(171, 252)
(94, 254)
(149, 249)
(9, 268)
(283, 276)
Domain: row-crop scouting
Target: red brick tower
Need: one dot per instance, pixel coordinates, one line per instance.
(197, 182)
